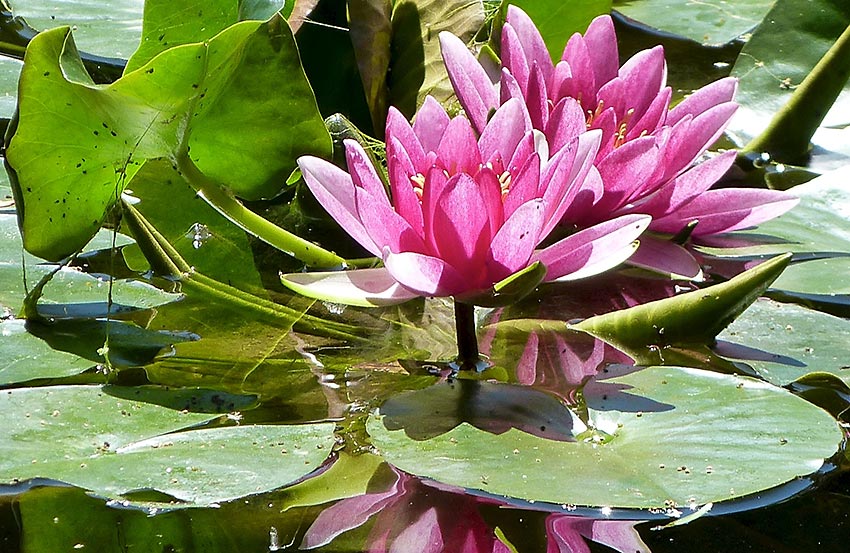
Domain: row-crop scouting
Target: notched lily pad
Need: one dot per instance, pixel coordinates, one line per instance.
(724, 438)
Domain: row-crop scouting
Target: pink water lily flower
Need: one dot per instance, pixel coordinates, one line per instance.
(650, 156)
(466, 212)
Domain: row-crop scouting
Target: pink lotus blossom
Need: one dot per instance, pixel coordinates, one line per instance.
(650, 156)
(466, 212)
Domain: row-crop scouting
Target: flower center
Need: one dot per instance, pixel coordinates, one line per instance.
(505, 183)
(620, 137)
(592, 115)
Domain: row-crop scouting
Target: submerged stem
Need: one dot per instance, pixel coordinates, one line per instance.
(467, 340)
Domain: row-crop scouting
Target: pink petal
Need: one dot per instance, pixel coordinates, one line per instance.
(627, 170)
(386, 227)
(729, 209)
(683, 188)
(567, 175)
(689, 138)
(334, 189)
(620, 535)
(654, 117)
(491, 193)
(582, 83)
(362, 287)
(713, 94)
(536, 99)
(666, 257)
(513, 57)
(398, 127)
(532, 43)
(504, 131)
(580, 211)
(601, 41)
(430, 124)
(515, 242)
(566, 122)
(425, 275)
(593, 250)
(406, 202)
(476, 93)
(458, 149)
(461, 231)
(423, 535)
(643, 77)
(524, 184)
(435, 183)
(362, 171)
(510, 88)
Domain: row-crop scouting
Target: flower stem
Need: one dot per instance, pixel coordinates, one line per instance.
(223, 201)
(467, 341)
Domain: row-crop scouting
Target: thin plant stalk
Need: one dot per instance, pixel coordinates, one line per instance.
(467, 340)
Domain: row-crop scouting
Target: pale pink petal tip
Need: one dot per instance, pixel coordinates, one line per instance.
(362, 287)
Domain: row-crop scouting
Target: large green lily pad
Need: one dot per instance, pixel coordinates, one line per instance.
(112, 446)
(663, 436)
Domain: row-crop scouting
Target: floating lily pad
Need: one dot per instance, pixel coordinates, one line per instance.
(26, 357)
(784, 342)
(679, 435)
(114, 446)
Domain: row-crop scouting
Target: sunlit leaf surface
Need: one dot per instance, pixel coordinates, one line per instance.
(671, 435)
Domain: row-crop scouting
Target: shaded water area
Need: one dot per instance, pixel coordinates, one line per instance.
(222, 412)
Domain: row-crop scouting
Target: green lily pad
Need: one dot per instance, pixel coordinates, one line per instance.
(71, 162)
(26, 357)
(712, 22)
(112, 446)
(788, 342)
(682, 437)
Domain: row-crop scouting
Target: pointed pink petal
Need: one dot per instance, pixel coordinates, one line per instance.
(524, 150)
(386, 227)
(536, 99)
(334, 189)
(566, 122)
(513, 57)
(593, 250)
(458, 149)
(430, 124)
(472, 86)
(510, 88)
(515, 242)
(667, 258)
(504, 131)
(562, 72)
(362, 171)
(435, 183)
(689, 138)
(363, 287)
(462, 231)
(601, 43)
(713, 94)
(683, 188)
(728, 209)
(491, 194)
(524, 184)
(643, 77)
(582, 83)
(563, 534)
(398, 127)
(425, 275)
(654, 117)
(627, 170)
(566, 176)
(532, 43)
(406, 202)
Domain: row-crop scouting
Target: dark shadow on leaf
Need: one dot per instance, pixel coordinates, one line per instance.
(195, 400)
(609, 396)
(494, 408)
(746, 353)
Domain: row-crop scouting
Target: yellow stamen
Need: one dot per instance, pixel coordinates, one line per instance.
(418, 182)
(591, 115)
